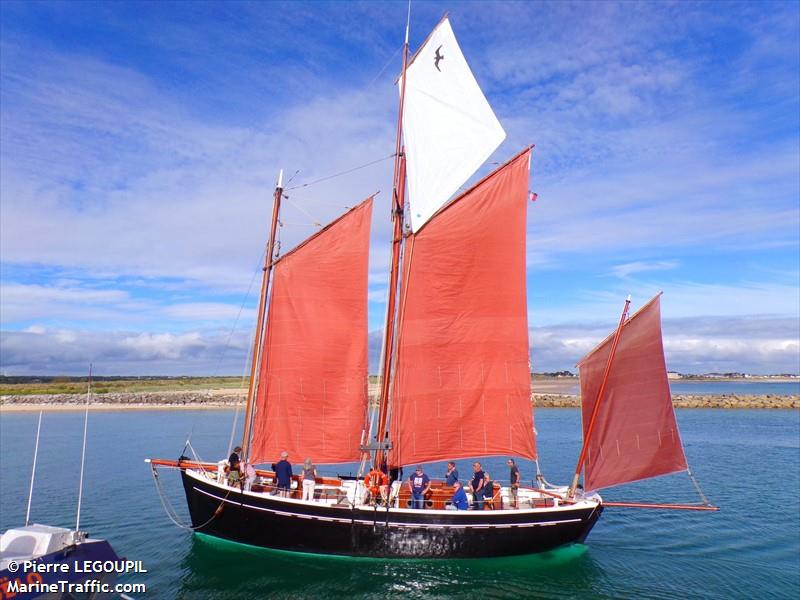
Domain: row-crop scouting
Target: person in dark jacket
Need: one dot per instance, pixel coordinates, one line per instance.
(283, 474)
(477, 486)
(451, 476)
(235, 466)
(514, 478)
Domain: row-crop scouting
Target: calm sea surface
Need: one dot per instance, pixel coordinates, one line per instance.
(748, 462)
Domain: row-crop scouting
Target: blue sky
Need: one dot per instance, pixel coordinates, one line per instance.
(140, 142)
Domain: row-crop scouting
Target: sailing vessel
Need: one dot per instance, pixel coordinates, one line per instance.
(455, 377)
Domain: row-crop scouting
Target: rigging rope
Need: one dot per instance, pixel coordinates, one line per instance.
(327, 177)
(239, 314)
(696, 484)
(172, 513)
(388, 62)
(314, 222)
(244, 377)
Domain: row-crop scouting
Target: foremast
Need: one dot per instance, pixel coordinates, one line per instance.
(258, 337)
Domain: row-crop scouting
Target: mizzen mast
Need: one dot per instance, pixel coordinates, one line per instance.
(590, 428)
(258, 338)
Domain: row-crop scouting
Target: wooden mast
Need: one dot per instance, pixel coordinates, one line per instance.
(600, 392)
(262, 307)
(398, 206)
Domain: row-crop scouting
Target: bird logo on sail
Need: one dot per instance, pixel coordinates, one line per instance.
(438, 57)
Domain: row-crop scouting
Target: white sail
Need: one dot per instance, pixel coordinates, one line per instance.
(449, 129)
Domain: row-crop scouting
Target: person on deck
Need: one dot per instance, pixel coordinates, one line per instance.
(459, 500)
(514, 478)
(235, 466)
(377, 484)
(309, 479)
(283, 474)
(249, 476)
(451, 476)
(477, 486)
(420, 484)
(488, 491)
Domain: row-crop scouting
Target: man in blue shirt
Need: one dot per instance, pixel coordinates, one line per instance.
(283, 474)
(452, 474)
(420, 484)
(459, 499)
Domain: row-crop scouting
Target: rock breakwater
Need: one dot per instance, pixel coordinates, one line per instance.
(231, 398)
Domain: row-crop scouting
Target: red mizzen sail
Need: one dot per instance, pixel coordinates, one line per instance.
(463, 383)
(312, 391)
(635, 435)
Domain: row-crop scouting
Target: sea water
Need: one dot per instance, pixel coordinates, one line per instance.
(747, 461)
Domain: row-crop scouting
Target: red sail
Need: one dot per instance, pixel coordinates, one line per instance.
(462, 384)
(312, 391)
(635, 434)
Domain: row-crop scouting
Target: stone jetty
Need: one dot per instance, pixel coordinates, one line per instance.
(232, 398)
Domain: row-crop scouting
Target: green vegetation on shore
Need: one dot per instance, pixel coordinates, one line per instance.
(24, 386)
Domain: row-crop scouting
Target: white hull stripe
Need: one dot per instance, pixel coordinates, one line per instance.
(391, 523)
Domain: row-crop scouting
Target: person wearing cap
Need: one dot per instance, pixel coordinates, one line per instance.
(420, 484)
(283, 474)
(235, 466)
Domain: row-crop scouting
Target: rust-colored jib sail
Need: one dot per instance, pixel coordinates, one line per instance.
(462, 384)
(635, 435)
(312, 390)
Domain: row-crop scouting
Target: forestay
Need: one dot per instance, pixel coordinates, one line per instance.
(635, 434)
(449, 128)
(463, 385)
(312, 390)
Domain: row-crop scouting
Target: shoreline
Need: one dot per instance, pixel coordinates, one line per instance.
(226, 400)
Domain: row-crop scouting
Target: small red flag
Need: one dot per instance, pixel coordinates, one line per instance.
(533, 196)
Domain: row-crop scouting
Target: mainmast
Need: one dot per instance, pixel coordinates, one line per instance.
(398, 206)
(258, 338)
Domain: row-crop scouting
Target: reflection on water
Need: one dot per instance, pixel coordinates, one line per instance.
(221, 569)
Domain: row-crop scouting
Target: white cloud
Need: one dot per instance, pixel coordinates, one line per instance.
(147, 346)
(626, 269)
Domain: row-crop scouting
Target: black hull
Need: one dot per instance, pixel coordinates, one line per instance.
(304, 527)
